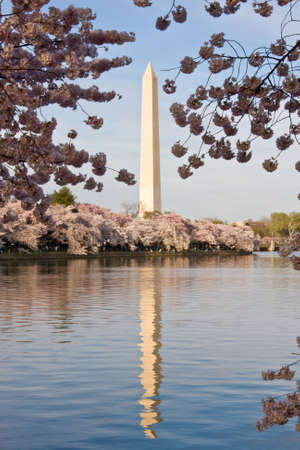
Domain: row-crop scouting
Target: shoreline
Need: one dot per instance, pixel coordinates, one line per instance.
(62, 255)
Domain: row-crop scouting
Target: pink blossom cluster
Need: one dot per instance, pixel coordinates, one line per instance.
(253, 97)
(179, 15)
(88, 229)
(259, 89)
(279, 411)
(216, 8)
(44, 49)
(284, 373)
(20, 226)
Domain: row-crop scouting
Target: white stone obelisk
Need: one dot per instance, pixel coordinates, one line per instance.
(150, 196)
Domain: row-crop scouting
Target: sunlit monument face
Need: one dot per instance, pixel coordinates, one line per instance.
(150, 197)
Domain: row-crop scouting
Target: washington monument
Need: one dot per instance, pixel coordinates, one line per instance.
(150, 197)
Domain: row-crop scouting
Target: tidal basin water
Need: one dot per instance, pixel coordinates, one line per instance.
(145, 353)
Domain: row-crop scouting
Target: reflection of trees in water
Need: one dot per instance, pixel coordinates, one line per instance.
(68, 288)
(273, 260)
(61, 289)
(58, 291)
(180, 261)
(150, 323)
(62, 286)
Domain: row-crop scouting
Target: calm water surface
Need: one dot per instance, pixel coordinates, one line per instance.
(141, 353)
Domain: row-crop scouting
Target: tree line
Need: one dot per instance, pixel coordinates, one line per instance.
(279, 224)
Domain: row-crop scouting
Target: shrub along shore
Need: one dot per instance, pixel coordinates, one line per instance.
(53, 255)
(89, 230)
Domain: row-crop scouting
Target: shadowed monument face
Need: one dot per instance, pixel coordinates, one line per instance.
(150, 195)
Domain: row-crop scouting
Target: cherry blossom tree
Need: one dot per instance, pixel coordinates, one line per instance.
(90, 229)
(83, 233)
(249, 97)
(280, 409)
(262, 95)
(20, 227)
(45, 52)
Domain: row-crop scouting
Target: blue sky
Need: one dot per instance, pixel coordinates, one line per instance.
(224, 189)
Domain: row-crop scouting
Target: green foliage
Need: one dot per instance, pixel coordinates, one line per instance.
(63, 197)
(279, 224)
(216, 221)
(282, 224)
(260, 227)
(150, 214)
(294, 224)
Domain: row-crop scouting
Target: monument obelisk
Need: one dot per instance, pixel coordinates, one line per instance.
(150, 196)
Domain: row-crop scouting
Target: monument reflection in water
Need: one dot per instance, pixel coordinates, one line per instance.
(150, 323)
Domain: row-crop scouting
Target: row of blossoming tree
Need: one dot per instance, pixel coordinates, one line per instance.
(43, 51)
(46, 52)
(248, 98)
(88, 229)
